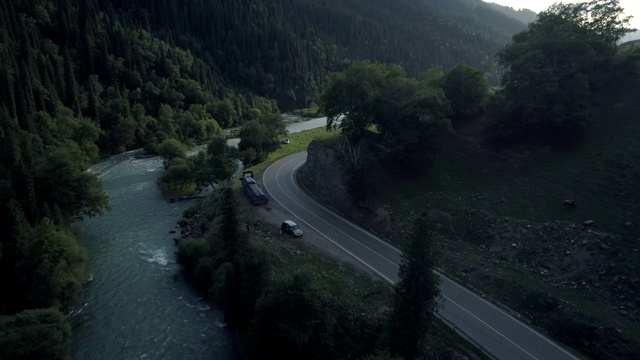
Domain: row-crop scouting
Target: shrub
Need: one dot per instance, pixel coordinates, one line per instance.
(34, 334)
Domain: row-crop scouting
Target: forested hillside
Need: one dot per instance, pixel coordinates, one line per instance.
(81, 79)
(524, 15)
(284, 49)
(541, 174)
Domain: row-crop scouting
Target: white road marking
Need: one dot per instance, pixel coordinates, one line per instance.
(320, 219)
(489, 326)
(507, 314)
(394, 248)
(339, 216)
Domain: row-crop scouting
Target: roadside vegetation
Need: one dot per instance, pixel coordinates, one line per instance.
(82, 80)
(534, 185)
(283, 299)
(313, 111)
(187, 173)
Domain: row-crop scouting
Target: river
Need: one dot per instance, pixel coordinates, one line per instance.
(138, 305)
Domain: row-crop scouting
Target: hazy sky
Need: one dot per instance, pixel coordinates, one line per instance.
(631, 7)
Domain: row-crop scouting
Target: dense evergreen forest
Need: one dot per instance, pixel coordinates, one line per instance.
(81, 79)
(525, 15)
(284, 49)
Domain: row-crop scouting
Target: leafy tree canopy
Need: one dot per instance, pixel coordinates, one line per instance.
(76, 192)
(407, 114)
(215, 165)
(466, 89)
(555, 69)
(171, 149)
(35, 334)
(262, 136)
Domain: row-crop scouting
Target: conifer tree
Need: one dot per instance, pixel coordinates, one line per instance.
(416, 293)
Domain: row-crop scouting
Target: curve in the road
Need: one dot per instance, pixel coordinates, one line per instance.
(492, 329)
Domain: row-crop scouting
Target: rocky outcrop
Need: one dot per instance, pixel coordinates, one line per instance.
(324, 177)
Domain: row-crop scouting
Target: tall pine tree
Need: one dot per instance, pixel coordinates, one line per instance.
(416, 293)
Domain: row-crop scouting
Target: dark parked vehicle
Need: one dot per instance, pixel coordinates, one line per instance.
(252, 189)
(291, 228)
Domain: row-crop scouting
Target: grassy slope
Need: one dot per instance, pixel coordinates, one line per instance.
(603, 177)
(298, 142)
(472, 184)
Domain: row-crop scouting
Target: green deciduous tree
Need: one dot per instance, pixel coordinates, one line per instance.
(215, 165)
(171, 149)
(554, 72)
(178, 173)
(193, 253)
(466, 89)
(35, 334)
(75, 191)
(196, 125)
(50, 266)
(411, 121)
(262, 135)
(350, 98)
(407, 115)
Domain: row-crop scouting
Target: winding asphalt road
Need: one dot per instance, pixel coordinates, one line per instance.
(496, 332)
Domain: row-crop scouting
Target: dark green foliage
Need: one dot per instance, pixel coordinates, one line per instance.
(524, 15)
(245, 282)
(261, 136)
(210, 167)
(416, 293)
(293, 320)
(178, 173)
(194, 255)
(296, 315)
(35, 334)
(466, 89)
(353, 93)
(359, 162)
(628, 62)
(195, 125)
(74, 191)
(101, 64)
(216, 165)
(412, 124)
(171, 149)
(313, 111)
(556, 70)
(355, 333)
(409, 116)
(283, 49)
(234, 273)
(229, 231)
(48, 266)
